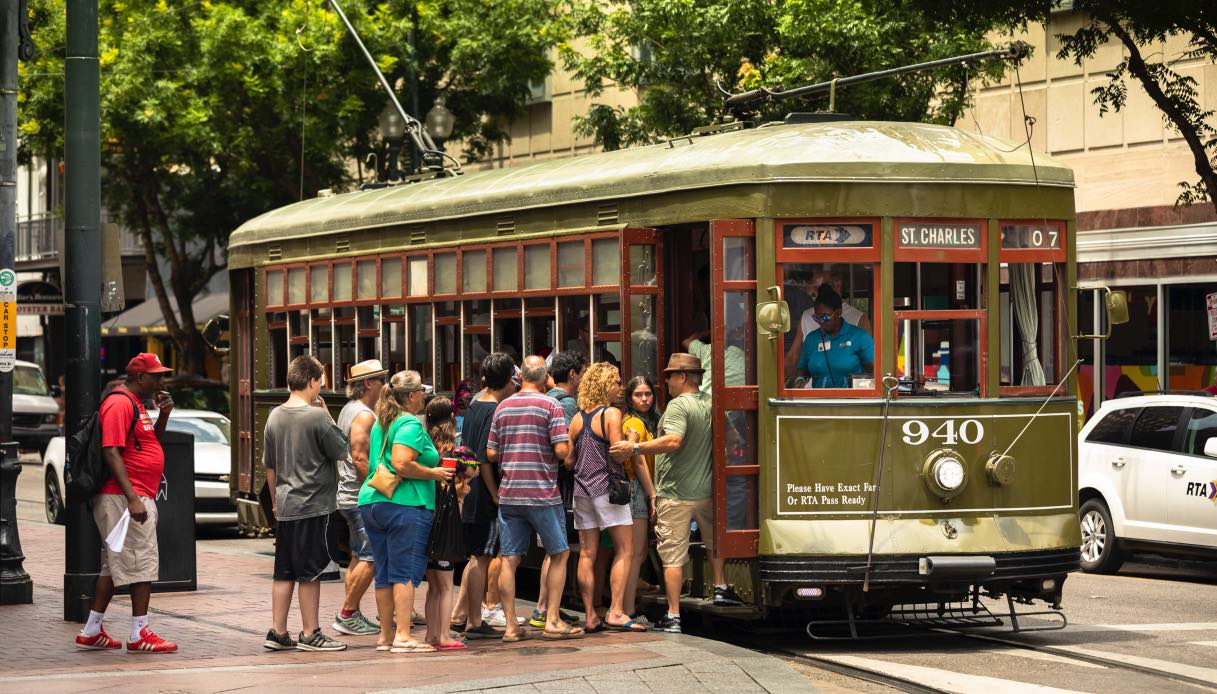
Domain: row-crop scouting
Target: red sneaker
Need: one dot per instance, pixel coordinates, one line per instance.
(98, 642)
(150, 643)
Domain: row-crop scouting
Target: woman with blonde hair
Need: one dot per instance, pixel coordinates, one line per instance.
(596, 426)
(399, 524)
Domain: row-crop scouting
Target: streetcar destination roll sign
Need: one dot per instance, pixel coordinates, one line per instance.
(827, 236)
(939, 235)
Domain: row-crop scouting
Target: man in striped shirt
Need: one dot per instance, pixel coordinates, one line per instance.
(527, 441)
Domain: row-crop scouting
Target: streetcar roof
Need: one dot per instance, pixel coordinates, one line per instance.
(871, 151)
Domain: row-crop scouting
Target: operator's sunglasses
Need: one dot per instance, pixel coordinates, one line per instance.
(822, 318)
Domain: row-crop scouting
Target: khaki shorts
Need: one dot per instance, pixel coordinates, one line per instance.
(672, 527)
(139, 562)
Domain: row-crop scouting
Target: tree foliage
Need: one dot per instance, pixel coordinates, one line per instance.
(1142, 30)
(679, 55)
(213, 112)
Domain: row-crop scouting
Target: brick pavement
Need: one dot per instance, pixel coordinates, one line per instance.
(220, 628)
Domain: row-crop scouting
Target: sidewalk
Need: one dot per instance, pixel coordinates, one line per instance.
(220, 628)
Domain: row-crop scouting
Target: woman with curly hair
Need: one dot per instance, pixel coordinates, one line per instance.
(595, 427)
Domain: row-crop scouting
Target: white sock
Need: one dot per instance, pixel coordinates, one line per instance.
(93, 626)
(674, 616)
(137, 625)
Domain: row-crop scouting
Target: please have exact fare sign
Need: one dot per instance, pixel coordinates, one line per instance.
(937, 235)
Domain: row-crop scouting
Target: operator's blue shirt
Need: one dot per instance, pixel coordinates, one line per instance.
(830, 361)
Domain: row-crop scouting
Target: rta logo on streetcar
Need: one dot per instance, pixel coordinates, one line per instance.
(1205, 490)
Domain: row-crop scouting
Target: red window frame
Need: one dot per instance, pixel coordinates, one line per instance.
(266, 281)
(981, 315)
(860, 255)
(922, 254)
(1053, 256)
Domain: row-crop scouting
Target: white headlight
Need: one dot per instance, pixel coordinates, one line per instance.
(949, 473)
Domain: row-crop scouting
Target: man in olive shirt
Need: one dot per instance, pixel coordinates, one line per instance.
(683, 476)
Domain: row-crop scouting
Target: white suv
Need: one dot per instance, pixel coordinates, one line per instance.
(1148, 479)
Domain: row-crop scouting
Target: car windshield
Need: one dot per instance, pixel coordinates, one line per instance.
(28, 380)
(200, 396)
(212, 429)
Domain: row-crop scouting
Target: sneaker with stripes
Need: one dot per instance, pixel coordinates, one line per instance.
(100, 641)
(150, 643)
(318, 641)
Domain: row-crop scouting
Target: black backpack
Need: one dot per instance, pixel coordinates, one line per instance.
(84, 468)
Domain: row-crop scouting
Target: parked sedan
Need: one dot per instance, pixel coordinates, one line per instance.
(212, 502)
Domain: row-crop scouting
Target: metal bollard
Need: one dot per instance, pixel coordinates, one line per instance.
(16, 588)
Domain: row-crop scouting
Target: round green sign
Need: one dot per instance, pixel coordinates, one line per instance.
(7, 278)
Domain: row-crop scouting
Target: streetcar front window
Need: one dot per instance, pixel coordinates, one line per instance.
(831, 341)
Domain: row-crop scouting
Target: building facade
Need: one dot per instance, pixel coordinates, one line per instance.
(1131, 235)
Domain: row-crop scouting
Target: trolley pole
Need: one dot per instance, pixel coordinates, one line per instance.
(82, 282)
(15, 584)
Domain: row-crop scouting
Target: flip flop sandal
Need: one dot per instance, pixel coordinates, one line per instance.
(515, 637)
(596, 629)
(452, 646)
(483, 631)
(569, 632)
(412, 647)
(630, 626)
(384, 649)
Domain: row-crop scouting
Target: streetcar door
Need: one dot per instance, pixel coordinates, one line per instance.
(641, 279)
(734, 382)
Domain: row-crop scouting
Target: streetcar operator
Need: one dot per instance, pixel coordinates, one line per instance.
(838, 349)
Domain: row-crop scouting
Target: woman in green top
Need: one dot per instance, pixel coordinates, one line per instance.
(400, 526)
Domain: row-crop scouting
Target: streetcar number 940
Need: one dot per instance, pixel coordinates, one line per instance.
(950, 432)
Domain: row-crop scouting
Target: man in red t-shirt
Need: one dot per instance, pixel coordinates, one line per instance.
(131, 447)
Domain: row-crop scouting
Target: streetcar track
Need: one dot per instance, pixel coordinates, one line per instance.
(854, 671)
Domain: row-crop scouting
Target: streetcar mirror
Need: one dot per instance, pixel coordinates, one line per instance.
(215, 334)
(773, 317)
(1117, 307)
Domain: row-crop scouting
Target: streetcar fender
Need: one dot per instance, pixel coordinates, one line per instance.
(1098, 486)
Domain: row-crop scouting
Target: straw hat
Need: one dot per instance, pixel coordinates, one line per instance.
(367, 369)
(681, 361)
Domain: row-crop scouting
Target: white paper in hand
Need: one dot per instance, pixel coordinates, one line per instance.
(118, 536)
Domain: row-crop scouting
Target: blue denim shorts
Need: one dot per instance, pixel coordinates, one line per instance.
(361, 547)
(518, 523)
(398, 535)
(640, 505)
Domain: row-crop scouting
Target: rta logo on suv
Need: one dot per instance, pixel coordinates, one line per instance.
(1207, 490)
(1148, 479)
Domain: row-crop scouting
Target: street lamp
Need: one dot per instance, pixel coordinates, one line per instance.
(392, 130)
(439, 123)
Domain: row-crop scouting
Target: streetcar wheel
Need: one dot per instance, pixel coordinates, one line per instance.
(1100, 552)
(53, 499)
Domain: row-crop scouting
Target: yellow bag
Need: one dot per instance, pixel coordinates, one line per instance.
(384, 479)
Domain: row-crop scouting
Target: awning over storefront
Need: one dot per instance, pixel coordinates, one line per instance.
(147, 319)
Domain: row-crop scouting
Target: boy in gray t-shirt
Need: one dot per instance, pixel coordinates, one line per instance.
(356, 420)
(300, 448)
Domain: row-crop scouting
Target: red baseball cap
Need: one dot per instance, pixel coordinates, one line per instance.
(146, 363)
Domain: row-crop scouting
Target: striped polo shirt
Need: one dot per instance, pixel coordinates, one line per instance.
(525, 428)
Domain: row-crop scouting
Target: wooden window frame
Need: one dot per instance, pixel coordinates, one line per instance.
(288, 305)
(375, 260)
(460, 267)
(525, 293)
(380, 277)
(266, 273)
(1060, 330)
(334, 270)
(982, 345)
(458, 283)
(425, 297)
(862, 255)
(504, 293)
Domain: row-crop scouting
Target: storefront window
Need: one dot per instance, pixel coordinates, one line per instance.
(1131, 353)
(1192, 356)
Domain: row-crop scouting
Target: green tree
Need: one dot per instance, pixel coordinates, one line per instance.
(217, 111)
(1141, 28)
(679, 56)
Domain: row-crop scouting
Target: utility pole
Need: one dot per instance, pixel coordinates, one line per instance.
(82, 282)
(15, 584)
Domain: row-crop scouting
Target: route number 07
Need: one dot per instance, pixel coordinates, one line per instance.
(969, 431)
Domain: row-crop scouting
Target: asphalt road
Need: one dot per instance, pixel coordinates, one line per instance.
(1157, 614)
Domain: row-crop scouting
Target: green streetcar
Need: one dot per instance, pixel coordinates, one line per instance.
(941, 471)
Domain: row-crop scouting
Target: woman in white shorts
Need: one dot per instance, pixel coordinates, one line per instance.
(595, 427)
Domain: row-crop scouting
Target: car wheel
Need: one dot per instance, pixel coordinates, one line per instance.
(53, 498)
(1100, 551)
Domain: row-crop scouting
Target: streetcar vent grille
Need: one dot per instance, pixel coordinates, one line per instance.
(418, 234)
(342, 245)
(506, 226)
(606, 215)
(274, 252)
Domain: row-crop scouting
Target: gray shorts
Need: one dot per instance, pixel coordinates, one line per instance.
(361, 548)
(639, 506)
(139, 562)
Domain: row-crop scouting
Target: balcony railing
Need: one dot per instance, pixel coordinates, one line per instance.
(38, 238)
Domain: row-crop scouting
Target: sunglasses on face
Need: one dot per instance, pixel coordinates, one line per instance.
(823, 317)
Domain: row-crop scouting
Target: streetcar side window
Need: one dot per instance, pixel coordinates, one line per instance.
(1030, 318)
(940, 327)
(831, 341)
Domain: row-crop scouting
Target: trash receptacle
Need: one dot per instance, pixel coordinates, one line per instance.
(175, 532)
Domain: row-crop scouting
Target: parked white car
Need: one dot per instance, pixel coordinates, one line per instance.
(35, 412)
(1148, 479)
(212, 503)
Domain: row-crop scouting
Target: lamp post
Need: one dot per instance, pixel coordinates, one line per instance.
(439, 123)
(392, 130)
